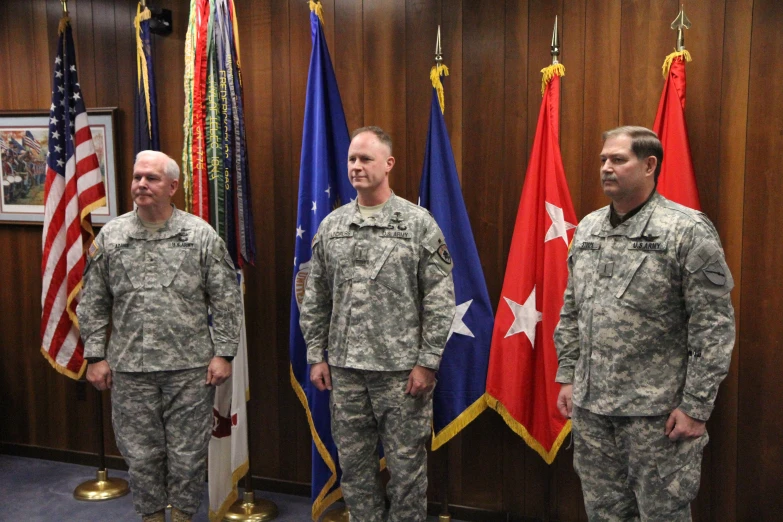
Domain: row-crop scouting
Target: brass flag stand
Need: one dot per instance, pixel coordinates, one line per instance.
(103, 487)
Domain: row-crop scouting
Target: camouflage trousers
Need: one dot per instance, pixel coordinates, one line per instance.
(368, 406)
(163, 422)
(630, 470)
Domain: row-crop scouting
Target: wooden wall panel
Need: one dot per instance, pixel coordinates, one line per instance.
(382, 52)
(760, 458)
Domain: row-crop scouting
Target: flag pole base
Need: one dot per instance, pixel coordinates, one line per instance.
(251, 510)
(444, 518)
(102, 488)
(336, 515)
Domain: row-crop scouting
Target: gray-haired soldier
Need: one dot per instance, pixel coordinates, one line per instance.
(380, 298)
(644, 339)
(152, 275)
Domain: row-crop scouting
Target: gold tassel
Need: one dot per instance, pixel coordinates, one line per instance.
(319, 10)
(550, 72)
(667, 63)
(435, 73)
(64, 22)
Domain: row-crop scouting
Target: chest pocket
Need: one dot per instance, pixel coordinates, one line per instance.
(126, 270)
(180, 270)
(341, 264)
(384, 273)
(649, 285)
(584, 264)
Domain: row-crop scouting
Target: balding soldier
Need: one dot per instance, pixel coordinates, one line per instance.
(380, 298)
(644, 339)
(153, 275)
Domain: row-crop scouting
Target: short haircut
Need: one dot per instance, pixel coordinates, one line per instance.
(644, 143)
(170, 167)
(379, 133)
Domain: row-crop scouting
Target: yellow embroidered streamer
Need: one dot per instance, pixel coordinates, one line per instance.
(435, 73)
(667, 63)
(141, 61)
(318, 8)
(547, 73)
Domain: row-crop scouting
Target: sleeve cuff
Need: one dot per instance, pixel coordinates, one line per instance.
(695, 409)
(565, 375)
(226, 350)
(429, 360)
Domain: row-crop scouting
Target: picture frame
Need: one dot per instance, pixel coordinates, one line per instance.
(24, 139)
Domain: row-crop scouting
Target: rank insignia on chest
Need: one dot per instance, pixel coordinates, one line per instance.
(589, 245)
(650, 246)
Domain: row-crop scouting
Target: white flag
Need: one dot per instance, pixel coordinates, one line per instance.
(228, 460)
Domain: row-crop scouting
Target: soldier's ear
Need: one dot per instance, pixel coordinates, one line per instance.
(390, 163)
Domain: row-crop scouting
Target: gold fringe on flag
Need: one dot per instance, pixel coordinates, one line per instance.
(435, 73)
(550, 72)
(316, 6)
(667, 63)
(463, 419)
(519, 429)
(141, 61)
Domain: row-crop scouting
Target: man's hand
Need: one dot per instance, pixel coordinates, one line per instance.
(320, 376)
(420, 381)
(681, 426)
(564, 405)
(218, 371)
(99, 375)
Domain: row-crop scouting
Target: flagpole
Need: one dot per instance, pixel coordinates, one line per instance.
(248, 508)
(444, 515)
(103, 487)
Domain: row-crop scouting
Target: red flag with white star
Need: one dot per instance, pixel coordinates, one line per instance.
(521, 383)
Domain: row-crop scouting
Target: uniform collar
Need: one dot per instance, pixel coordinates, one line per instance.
(169, 229)
(633, 226)
(381, 219)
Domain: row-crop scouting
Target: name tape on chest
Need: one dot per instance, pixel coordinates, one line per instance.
(341, 233)
(401, 234)
(649, 246)
(589, 245)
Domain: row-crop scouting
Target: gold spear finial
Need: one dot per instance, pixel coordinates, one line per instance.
(555, 44)
(680, 23)
(438, 50)
(65, 6)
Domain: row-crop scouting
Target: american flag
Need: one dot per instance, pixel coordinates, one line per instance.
(30, 143)
(73, 189)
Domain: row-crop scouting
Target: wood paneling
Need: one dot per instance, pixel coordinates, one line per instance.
(382, 51)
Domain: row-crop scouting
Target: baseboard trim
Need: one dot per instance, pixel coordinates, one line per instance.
(302, 489)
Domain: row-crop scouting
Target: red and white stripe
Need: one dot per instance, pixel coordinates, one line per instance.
(66, 236)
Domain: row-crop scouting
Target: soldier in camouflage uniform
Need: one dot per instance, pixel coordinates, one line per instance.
(152, 275)
(644, 339)
(380, 299)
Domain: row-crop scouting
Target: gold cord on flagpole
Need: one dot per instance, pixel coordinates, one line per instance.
(437, 71)
(315, 5)
(65, 20)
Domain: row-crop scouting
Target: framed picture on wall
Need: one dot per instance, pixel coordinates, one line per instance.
(24, 144)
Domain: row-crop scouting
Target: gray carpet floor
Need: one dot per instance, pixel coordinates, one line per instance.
(34, 490)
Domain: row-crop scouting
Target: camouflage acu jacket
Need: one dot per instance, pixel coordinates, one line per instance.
(155, 289)
(379, 294)
(647, 323)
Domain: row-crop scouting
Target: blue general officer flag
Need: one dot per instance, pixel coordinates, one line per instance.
(459, 395)
(323, 186)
